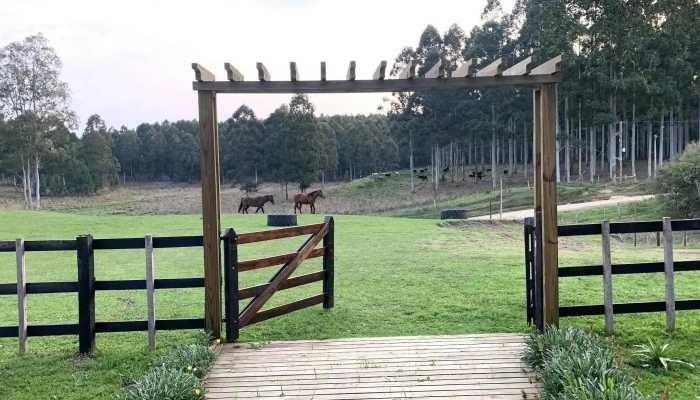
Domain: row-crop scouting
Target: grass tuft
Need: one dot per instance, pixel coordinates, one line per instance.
(166, 383)
(194, 359)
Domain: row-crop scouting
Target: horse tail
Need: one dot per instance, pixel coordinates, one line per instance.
(240, 207)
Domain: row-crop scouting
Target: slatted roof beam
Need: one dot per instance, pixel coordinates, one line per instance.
(263, 75)
(323, 71)
(202, 74)
(380, 73)
(350, 76)
(436, 72)
(233, 74)
(409, 72)
(466, 69)
(550, 67)
(524, 67)
(493, 69)
(293, 71)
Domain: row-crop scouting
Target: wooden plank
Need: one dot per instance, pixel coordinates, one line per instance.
(274, 260)
(466, 69)
(298, 380)
(409, 71)
(607, 279)
(21, 296)
(524, 67)
(628, 308)
(350, 75)
(668, 275)
(290, 360)
(537, 150)
(329, 264)
(380, 73)
(263, 75)
(253, 291)
(293, 72)
(201, 74)
(210, 212)
(150, 293)
(286, 309)
(292, 231)
(550, 241)
(323, 71)
(550, 67)
(493, 69)
(7, 246)
(233, 74)
(86, 294)
(627, 269)
(407, 84)
(376, 347)
(254, 306)
(52, 287)
(437, 71)
(50, 245)
(470, 338)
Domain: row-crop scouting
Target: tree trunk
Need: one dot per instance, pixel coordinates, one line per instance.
(558, 133)
(660, 145)
(29, 184)
(580, 143)
(410, 146)
(25, 185)
(592, 159)
(672, 137)
(567, 142)
(493, 147)
(286, 190)
(526, 148)
(37, 162)
(633, 150)
(602, 147)
(650, 139)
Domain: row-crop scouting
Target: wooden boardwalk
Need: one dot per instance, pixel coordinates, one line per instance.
(456, 367)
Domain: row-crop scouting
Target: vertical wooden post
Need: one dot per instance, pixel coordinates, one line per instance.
(329, 264)
(528, 232)
(86, 294)
(231, 284)
(150, 293)
(21, 296)
(668, 274)
(211, 211)
(607, 280)
(550, 234)
(537, 149)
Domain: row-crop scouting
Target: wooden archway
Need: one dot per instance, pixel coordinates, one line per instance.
(525, 74)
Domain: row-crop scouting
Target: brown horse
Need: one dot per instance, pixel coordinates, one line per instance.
(258, 202)
(310, 199)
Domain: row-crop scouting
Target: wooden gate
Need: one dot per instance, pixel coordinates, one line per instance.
(533, 271)
(236, 319)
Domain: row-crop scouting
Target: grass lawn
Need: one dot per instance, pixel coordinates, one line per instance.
(394, 276)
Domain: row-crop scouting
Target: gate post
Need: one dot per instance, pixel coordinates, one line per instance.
(528, 229)
(231, 284)
(86, 294)
(329, 264)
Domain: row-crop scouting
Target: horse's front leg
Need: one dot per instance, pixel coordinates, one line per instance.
(263, 209)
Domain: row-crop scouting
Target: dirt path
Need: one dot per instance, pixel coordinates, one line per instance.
(518, 215)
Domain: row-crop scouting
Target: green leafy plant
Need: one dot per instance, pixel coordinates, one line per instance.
(193, 358)
(656, 354)
(164, 383)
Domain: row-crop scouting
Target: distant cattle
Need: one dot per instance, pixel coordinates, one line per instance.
(446, 169)
(423, 177)
(472, 175)
(387, 174)
(505, 172)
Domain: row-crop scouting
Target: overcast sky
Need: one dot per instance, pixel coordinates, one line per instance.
(129, 60)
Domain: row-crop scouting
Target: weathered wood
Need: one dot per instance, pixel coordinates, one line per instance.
(286, 308)
(409, 71)
(407, 84)
(466, 69)
(323, 71)
(201, 74)
(537, 149)
(380, 73)
(211, 210)
(292, 231)
(263, 75)
(293, 72)
(285, 272)
(233, 74)
(150, 293)
(329, 264)
(21, 296)
(550, 241)
(86, 294)
(668, 275)
(437, 71)
(550, 67)
(628, 308)
(627, 269)
(231, 284)
(524, 67)
(493, 69)
(274, 260)
(350, 75)
(297, 281)
(607, 280)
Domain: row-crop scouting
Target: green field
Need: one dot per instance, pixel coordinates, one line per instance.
(394, 276)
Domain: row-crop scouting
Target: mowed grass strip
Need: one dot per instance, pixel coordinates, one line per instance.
(394, 276)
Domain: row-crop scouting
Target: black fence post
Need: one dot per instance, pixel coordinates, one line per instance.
(329, 265)
(231, 284)
(538, 275)
(86, 294)
(528, 232)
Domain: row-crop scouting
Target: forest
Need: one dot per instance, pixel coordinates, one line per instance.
(629, 97)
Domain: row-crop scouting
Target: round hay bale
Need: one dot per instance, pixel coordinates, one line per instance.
(453, 214)
(281, 220)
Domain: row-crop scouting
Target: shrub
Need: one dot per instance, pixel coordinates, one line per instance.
(656, 355)
(678, 185)
(164, 383)
(192, 358)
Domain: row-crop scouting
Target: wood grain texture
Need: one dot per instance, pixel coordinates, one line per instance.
(466, 69)
(350, 75)
(437, 71)
(409, 71)
(607, 279)
(323, 71)
(232, 74)
(380, 73)
(21, 295)
(202, 74)
(524, 67)
(150, 293)
(293, 72)
(297, 281)
(263, 75)
(668, 275)
(550, 67)
(536, 150)
(493, 69)
(253, 237)
(286, 308)
(329, 264)
(274, 260)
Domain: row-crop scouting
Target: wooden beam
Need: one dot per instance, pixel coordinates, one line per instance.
(466, 69)
(380, 73)
(536, 150)
(607, 280)
(21, 296)
(323, 71)
(550, 234)
(211, 210)
(202, 74)
(263, 75)
(150, 293)
(293, 71)
(668, 276)
(550, 67)
(232, 73)
(436, 72)
(493, 69)
(377, 86)
(350, 76)
(524, 67)
(409, 72)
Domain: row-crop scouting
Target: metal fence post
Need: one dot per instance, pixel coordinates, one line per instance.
(231, 285)
(329, 264)
(86, 294)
